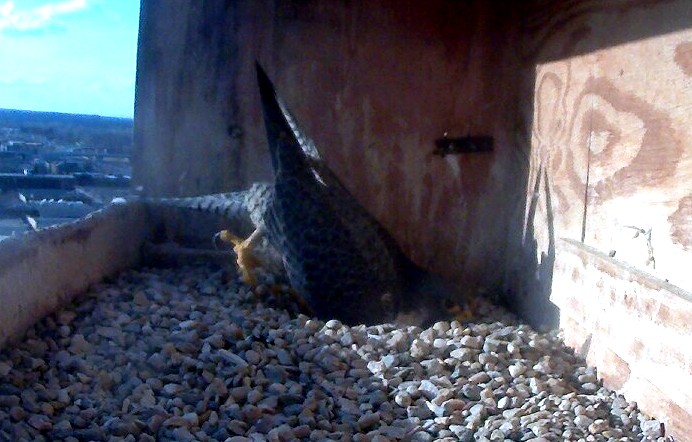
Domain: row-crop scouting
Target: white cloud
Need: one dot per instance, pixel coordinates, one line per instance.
(15, 19)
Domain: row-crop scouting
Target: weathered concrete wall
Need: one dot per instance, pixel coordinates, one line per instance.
(187, 137)
(634, 327)
(42, 271)
(374, 83)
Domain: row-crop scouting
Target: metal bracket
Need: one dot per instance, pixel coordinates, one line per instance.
(448, 146)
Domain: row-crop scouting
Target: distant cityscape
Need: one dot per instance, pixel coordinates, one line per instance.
(57, 167)
(41, 157)
(52, 143)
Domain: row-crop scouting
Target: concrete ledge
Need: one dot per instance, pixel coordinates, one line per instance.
(634, 327)
(40, 271)
(173, 255)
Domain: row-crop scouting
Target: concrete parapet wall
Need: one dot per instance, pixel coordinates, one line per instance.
(634, 327)
(42, 271)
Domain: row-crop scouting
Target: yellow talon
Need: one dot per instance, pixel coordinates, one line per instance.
(247, 262)
(244, 257)
(228, 237)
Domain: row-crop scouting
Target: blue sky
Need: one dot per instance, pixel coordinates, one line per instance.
(74, 56)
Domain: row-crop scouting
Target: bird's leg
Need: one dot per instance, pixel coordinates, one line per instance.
(247, 262)
(243, 250)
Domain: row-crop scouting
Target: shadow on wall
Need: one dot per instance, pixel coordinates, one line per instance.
(560, 34)
(531, 299)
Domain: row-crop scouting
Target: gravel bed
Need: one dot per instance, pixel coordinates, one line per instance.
(179, 355)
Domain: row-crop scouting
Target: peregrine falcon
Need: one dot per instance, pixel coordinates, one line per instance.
(338, 258)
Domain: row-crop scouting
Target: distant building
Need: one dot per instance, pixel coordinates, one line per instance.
(74, 166)
(87, 150)
(14, 162)
(13, 181)
(41, 167)
(24, 146)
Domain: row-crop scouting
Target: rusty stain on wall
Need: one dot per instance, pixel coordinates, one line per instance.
(655, 158)
(680, 224)
(683, 57)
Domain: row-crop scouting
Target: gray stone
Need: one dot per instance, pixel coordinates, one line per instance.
(464, 354)
(472, 392)
(40, 422)
(652, 429)
(368, 420)
(517, 369)
(471, 341)
(479, 378)
(232, 358)
(226, 367)
(419, 348)
(5, 368)
(462, 433)
(583, 421)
